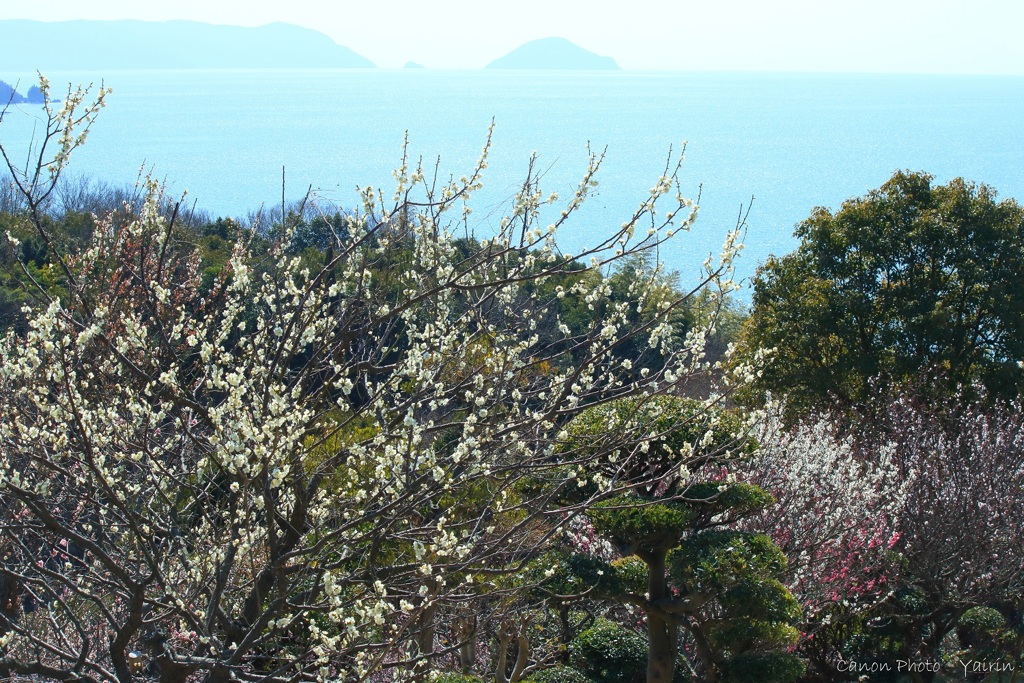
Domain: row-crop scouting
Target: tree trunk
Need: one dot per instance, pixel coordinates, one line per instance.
(10, 601)
(424, 641)
(465, 635)
(661, 632)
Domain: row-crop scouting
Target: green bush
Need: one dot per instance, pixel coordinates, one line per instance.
(457, 677)
(631, 574)
(609, 653)
(558, 674)
(986, 635)
(982, 620)
(764, 668)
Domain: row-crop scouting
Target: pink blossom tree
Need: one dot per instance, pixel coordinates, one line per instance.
(835, 516)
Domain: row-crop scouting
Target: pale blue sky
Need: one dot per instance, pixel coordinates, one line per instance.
(943, 36)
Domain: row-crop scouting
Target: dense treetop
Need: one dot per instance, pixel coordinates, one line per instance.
(912, 278)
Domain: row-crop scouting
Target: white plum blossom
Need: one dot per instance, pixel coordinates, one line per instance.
(300, 464)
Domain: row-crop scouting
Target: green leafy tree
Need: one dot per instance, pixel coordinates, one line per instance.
(912, 278)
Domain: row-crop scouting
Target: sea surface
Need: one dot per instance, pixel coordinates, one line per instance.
(789, 142)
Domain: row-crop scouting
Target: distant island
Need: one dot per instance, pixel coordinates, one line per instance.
(113, 45)
(552, 53)
(8, 95)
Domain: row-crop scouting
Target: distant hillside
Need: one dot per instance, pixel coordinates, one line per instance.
(99, 45)
(552, 53)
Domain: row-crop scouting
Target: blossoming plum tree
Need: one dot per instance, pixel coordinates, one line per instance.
(836, 518)
(960, 524)
(287, 476)
(898, 534)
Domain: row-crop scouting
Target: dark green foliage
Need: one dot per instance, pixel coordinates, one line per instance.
(11, 302)
(630, 575)
(571, 575)
(753, 613)
(671, 431)
(764, 668)
(741, 633)
(986, 635)
(558, 674)
(214, 250)
(761, 598)
(317, 232)
(676, 425)
(737, 498)
(650, 296)
(635, 523)
(72, 231)
(609, 653)
(910, 279)
(645, 289)
(224, 228)
(982, 620)
(722, 557)
(456, 677)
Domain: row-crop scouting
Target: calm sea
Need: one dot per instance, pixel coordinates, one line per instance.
(792, 142)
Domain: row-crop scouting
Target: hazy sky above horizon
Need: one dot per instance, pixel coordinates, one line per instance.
(929, 36)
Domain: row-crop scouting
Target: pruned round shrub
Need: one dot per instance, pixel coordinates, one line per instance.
(609, 653)
(672, 432)
(456, 677)
(982, 619)
(764, 668)
(558, 674)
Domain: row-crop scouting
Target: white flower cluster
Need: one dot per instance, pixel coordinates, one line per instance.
(315, 453)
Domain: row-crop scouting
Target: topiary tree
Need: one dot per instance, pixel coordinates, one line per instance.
(990, 642)
(745, 628)
(682, 566)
